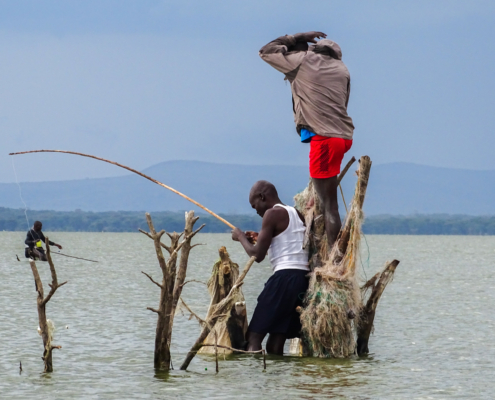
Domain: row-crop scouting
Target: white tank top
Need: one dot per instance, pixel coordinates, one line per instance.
(286, 250)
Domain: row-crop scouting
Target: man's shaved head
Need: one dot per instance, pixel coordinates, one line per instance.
(265, 188)
(263, 196)
(37, 226)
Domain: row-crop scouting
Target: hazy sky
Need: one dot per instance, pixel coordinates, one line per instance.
(142, 82)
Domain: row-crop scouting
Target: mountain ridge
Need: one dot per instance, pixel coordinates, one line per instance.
(395, 188)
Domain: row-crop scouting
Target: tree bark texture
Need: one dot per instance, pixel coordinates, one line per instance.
(361, 186)
(171, 285)
(41, 305)
(368, 311)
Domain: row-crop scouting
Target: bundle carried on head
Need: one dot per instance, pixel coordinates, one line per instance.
(330, 316)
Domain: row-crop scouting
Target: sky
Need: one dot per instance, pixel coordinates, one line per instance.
(141, 82)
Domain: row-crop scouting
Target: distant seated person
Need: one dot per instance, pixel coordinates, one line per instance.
(281, 235)
(34, 243)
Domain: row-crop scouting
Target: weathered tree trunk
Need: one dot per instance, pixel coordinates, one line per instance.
(362, 185)
(221, 310)
(171, 286)
(368, 311)
(41, 301)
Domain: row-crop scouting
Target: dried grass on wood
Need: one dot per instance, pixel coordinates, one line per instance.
(330, 316)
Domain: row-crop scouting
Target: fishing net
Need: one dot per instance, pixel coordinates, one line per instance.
(330, 315)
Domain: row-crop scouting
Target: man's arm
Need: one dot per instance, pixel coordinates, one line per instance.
(29, 240)
(265, 236)
(276, 53)
(43, 239)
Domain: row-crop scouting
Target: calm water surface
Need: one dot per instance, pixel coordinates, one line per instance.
(434, 330)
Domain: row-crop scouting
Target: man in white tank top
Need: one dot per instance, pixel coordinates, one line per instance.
(281, 236)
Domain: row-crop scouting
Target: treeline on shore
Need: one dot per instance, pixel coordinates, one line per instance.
(130, 221)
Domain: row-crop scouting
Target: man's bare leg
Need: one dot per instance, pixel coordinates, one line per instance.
(327, 193)
(275, 344)
(254, 341)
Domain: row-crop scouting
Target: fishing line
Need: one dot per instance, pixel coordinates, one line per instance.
(20, 193)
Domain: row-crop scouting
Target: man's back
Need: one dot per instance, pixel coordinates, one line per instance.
(320, 85)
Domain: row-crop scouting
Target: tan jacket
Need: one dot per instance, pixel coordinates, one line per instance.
(320, 84)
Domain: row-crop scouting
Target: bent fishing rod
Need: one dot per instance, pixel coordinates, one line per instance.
(136, 172)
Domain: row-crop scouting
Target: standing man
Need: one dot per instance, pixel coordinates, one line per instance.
(320, 84)
(34, 243)
(282, 236)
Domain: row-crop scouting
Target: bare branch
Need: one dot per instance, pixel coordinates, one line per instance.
(198, 244)
(146, 233)
(171, 235)
(56, 347)
(54, 285)
(152, 280)
(344, 171)
(192, 280)
(151, 237)
(200, 320)
(152, 309)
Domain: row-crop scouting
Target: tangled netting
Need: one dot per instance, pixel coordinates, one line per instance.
(330, 315)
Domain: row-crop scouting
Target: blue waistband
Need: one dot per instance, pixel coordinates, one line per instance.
(306, 135)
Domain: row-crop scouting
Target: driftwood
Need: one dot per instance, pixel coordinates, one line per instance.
(172, 283)
(368, 310)
(231, 332)
(45, 329)
(221, 310)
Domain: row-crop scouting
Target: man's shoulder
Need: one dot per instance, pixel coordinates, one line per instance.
(275, 214)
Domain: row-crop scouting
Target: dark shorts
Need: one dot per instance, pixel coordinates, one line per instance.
(276, 308)
(326, 155)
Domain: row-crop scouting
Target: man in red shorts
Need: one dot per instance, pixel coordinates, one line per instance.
(320, 84)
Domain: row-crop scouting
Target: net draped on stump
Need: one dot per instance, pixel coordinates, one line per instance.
(332, 305)
(229, 330)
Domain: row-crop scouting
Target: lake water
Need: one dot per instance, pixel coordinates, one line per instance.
(433, 339)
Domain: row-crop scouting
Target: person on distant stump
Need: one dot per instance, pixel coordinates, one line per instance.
(281, 236)
(34, 243)
(320, 84)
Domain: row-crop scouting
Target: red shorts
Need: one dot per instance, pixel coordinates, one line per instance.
(326, 154)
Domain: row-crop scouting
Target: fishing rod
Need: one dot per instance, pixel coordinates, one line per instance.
(136, 172)
(65, 255)
(79, 258)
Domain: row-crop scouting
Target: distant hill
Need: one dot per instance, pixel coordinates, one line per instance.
(398, 188)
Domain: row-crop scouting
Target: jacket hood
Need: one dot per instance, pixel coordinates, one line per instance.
(326, 46)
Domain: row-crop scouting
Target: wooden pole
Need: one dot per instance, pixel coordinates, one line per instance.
(132, 170)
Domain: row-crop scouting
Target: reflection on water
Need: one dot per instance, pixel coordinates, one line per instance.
(433, 329)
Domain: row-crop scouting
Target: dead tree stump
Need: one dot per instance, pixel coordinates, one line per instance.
(220, 311)
(368, 311)
(336, 322)
(172, 282)
(230, 333)
(45, 330)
